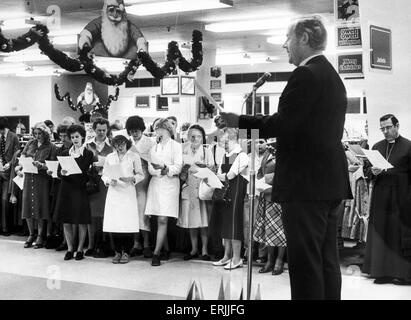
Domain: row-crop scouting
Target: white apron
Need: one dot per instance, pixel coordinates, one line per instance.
(121, 210)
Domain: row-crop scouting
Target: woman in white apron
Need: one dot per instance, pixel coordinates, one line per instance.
(122, 171)
(164, 189)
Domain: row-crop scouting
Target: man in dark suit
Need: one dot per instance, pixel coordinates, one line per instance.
(311, 176)
(9, 144)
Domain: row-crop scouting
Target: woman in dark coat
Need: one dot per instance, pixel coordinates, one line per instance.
(36, 189)
(73, 206)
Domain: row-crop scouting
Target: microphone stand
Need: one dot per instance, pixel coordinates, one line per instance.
(252, 200)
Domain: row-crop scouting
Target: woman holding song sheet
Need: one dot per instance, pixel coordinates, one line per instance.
(122, 171)
(72, 207)
(36, 189)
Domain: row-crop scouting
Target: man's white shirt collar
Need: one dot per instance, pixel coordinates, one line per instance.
(304, 62)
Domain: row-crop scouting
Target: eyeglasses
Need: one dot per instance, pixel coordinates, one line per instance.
(386, 128)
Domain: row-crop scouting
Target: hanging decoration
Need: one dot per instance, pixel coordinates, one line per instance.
(39, 34)
(83, 101)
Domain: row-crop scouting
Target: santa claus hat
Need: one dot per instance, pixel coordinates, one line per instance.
(119, 3)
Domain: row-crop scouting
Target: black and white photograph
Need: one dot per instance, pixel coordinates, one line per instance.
(223, 151)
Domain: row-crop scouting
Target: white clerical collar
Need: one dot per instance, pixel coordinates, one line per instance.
(304, 62)
(237, 149)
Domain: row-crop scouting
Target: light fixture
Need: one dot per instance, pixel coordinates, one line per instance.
(11, 68)
(279, 40)
(111, 64)
(249, 25)
(148, 9)
(18, 23)
(251, 58)
(39, 72)
(65, 40)
(27, 56)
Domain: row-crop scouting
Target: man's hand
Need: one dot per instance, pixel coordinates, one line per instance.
(64, 172)
(231, 119)
(376, 171)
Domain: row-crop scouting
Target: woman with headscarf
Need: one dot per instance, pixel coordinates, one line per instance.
(163, 191)
(193, 211)
(36, 189)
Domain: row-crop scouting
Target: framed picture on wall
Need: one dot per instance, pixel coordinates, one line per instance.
(187, 86)
(142, 102)
(215, 84)
(216, 96)
(170, 86)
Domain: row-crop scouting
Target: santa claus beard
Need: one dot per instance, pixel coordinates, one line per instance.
(114, 36)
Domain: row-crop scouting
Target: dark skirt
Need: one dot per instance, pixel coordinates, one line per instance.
(98, 201)
(73, 205)
(227, 219)
(36, 196)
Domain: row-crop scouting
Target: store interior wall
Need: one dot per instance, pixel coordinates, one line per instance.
(388, 92)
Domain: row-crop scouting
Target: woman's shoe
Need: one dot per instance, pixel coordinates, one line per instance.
(190, 256)
(69, 255)
(265, 269)
(221, 262)
(62, 247)
(165, 255)
(147, 253)
(136, 252)
(156, 261)
(79, 255)
(205, 257)
(89, 252)
(383, 280)
(39, 243)
(117, 258)
(124, 258)
(29, 241)
(278, 271)
(231, 266)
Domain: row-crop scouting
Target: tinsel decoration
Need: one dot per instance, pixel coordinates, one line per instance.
(39, 34)
(80, 107)
(197, 52)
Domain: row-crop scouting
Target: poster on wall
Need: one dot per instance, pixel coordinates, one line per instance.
(350, 64)
(349, 36)
(347, 11)
(380, 47)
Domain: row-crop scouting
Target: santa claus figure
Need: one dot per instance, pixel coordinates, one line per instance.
(113, 34)
(88, 98)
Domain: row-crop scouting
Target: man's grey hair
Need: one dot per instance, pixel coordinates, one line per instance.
(314, 27)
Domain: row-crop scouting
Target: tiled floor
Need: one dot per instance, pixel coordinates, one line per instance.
(43, 274)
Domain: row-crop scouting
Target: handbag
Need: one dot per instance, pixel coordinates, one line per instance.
(205, 192)
(223, 194)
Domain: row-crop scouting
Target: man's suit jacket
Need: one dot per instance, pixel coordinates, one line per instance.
(12, 145)
(310, 160)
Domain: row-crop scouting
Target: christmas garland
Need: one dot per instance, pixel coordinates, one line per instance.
(79, 106)
(39, 34)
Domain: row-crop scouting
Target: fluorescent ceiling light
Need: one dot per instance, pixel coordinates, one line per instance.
(148, 9)
(65, 40)
(27, 56)
(243, 58)
(279, 40)
(39, 72)
(111, 64)
(12, 68)
(14, 24)
(248, 25)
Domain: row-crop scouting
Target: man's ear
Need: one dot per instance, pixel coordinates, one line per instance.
(304, 38)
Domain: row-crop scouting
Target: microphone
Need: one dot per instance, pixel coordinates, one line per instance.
(259, 83)
(262, 80)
